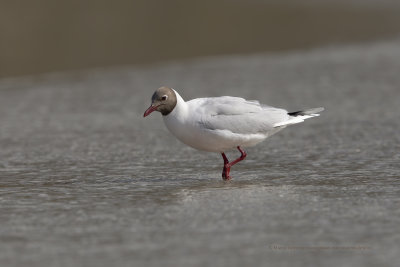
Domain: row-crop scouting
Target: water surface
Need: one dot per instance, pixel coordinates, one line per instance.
(86, 181)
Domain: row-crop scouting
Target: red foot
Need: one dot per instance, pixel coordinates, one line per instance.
(228, 165)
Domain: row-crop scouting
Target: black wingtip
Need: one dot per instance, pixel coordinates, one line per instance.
(296, 113)
(306, 112)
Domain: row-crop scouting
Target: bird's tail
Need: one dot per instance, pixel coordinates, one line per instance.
(300, 116)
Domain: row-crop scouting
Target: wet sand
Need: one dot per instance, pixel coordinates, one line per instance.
(86, 181)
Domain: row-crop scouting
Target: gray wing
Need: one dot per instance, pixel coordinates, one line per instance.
(237, 115)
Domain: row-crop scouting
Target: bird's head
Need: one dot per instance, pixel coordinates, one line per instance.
(163, 100)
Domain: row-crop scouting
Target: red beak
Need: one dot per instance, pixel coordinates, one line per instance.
(149, 110)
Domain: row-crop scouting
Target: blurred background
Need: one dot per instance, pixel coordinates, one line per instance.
(46, 36)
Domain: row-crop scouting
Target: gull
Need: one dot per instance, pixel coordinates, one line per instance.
(218, 124)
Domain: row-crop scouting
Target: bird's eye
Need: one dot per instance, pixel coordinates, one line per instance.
(164, 97)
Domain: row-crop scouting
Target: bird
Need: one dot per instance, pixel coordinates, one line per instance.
(219, 124)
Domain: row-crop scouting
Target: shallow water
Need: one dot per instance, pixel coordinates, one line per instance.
(86, 181)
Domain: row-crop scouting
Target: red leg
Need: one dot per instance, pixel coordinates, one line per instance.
(228, 165)
(242, 157)
(226, 169)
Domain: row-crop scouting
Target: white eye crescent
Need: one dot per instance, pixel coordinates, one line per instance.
(164, 97)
